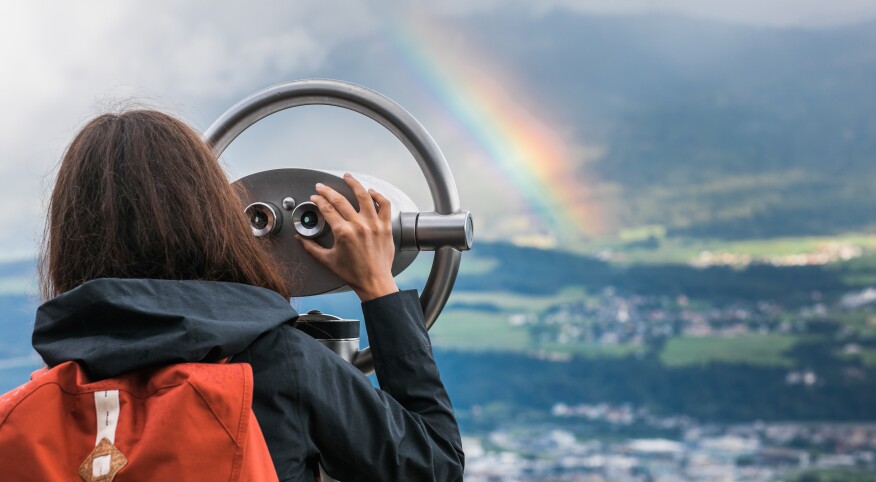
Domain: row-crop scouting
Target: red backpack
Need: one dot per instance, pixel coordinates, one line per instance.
(184, 422)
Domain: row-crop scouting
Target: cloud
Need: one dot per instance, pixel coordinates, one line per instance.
(782, 13)
(63, 62)
(773, 13)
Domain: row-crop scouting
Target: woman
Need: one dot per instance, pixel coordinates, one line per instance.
(148, 261)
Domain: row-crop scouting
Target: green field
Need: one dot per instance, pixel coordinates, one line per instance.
(831, 475)
(475, 330)
(752, 349)
(859, 271)
(629, 246)
(686, 250)
(867, 356)
(463, 328)
(862, 321)
(510, 303)
(593, 350)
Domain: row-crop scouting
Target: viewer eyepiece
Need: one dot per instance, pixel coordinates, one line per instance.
(307, 220)
(264, 218)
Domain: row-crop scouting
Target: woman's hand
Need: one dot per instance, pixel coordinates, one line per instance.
(363, 251)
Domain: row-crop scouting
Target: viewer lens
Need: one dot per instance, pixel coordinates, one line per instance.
(264, 218)
(258, 219)
(309, 220)
(308, 223)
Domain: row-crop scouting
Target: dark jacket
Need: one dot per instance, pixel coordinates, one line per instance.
(309, 403)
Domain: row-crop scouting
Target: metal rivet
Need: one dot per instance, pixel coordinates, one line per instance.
(289, 203)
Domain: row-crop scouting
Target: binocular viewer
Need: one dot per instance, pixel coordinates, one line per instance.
(277, 202)
(279, 208)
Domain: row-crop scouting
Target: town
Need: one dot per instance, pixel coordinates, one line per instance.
(585, 443)
(610, 318)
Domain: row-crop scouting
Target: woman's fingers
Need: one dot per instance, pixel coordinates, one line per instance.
(338, 201)
(385, 213)
(363, 250)
(331, 215)
(314, 249)
(366, 205)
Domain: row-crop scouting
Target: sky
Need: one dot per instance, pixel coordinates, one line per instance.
(64, 62)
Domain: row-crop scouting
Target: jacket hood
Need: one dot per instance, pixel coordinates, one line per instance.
(113, 326)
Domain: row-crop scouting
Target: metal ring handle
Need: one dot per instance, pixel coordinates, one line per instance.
(393, 117)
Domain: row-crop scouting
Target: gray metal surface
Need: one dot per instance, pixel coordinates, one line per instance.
(273, 186)
(346, 348)
(408, 230)
(393, 117)
(436, 230)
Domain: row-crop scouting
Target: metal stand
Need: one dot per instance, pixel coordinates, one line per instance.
(436, 171)
(338, 335)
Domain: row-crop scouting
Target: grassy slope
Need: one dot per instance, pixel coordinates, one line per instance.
(631, 248)
(754, 349)
(479, 330)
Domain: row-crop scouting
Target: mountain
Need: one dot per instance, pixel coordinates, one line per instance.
(723, 130)
(708, 129)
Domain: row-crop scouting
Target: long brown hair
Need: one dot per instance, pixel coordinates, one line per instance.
(141, 195)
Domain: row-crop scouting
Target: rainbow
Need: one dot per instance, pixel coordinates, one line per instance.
(516, 140)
